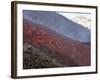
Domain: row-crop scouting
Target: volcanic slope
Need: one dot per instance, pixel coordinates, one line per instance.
(51, 48)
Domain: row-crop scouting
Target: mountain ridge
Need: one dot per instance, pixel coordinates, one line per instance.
(59, 23)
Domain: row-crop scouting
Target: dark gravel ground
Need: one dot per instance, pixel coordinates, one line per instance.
(36, 58)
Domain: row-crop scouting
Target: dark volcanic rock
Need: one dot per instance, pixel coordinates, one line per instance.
(35, 58)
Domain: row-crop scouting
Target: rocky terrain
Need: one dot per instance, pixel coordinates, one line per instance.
(46, 48)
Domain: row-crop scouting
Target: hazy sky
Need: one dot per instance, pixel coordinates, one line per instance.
(72, 15)
(80, 18)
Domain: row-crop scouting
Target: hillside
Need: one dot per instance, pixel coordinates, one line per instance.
(59, 23)
(52, 49)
